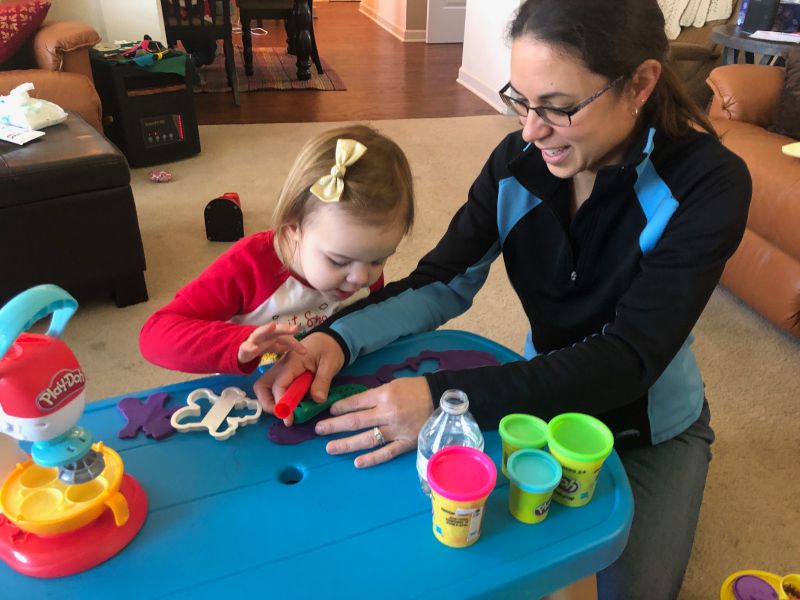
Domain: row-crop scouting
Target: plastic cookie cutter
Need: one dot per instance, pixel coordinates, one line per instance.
(217, 420)
(757, 585)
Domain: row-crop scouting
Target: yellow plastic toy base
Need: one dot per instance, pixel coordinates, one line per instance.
(37, 501)
(792, 149)
(781, 585)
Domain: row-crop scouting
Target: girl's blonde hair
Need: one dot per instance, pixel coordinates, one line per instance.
(377, 188)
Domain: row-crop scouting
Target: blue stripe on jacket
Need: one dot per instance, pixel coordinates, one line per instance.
(414, 310)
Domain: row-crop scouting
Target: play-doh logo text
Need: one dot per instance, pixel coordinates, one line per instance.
(64, 386)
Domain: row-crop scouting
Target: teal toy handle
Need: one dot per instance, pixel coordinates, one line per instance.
(32, 305)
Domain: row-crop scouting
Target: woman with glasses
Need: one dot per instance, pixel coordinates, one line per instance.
(614, 208)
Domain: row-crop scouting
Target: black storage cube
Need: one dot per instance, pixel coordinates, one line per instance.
(150, 116)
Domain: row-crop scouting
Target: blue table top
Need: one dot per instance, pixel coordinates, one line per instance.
(220, 520)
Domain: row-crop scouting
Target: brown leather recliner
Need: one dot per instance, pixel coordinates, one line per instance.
(56, 61)
(765, 270)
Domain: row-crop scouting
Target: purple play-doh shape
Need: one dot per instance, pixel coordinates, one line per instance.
(751, 587)
(281, 434)
(448, 360)
(152, 416)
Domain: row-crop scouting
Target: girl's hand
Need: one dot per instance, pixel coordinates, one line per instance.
(399, 408)
(269, 338)
(320, 354)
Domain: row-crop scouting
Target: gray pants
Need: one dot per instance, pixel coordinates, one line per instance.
(667, 482)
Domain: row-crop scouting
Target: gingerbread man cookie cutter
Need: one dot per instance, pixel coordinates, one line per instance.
(231, 399)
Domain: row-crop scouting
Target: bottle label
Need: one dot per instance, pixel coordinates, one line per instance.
(422, 467)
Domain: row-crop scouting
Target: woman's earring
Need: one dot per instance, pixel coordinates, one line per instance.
(635, 111)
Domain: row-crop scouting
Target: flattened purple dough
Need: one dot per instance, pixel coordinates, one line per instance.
(296, 434)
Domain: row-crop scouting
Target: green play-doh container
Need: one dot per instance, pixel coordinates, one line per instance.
(520, 431)
(580, 443)
(533, 476)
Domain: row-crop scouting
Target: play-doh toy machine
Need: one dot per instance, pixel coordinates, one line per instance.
(71, 505)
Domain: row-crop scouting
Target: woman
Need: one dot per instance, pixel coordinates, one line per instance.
(615, 209)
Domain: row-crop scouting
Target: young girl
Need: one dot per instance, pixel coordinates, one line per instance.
(345, 206)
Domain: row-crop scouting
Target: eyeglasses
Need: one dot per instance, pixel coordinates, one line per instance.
(557, 117)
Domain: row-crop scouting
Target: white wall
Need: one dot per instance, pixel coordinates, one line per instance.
(404, 19)
(114, 19)
(486, 56)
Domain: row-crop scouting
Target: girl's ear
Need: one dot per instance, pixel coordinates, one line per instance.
(292, 232)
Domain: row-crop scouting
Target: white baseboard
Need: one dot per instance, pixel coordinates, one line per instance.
(404, 35)
(483, 90)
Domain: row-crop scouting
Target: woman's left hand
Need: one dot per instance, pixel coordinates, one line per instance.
(398, 408)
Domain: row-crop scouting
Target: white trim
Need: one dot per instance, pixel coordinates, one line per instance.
(415, 35)
(401, 33)
(483, 90)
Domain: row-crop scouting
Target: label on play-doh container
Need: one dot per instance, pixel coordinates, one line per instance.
(519, 431)
(580, 443)
(461, 480)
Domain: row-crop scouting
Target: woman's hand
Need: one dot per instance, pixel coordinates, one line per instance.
(269, 338)
(320, 354)
(399, 408)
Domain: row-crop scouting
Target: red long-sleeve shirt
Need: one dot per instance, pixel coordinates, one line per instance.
(201, 329)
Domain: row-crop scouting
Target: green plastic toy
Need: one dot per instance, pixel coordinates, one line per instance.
(308, 408)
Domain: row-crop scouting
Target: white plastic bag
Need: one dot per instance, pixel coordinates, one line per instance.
(20, 110)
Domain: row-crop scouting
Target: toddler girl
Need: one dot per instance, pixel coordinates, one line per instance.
(345, 206)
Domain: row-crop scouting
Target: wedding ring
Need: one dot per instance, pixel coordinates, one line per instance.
(379, 439)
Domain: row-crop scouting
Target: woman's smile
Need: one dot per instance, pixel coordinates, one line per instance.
(554, 155)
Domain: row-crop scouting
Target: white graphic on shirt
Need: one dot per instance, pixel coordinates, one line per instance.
(296, 304)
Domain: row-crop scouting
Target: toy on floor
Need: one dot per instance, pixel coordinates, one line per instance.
(71, 506)
(223, 217)
(760, 585)
(152, 417)
(218, 420)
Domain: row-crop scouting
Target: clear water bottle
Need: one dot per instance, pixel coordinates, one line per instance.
(450, 425)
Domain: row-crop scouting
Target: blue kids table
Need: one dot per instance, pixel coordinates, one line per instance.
(221, 522)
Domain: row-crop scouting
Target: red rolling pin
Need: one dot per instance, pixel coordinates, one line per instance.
(293, 395)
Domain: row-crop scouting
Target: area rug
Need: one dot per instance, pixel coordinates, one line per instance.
(273, 69)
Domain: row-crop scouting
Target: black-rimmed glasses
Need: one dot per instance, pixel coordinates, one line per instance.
(552, 116)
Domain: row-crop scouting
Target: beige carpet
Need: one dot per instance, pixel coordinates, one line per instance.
(750, 518)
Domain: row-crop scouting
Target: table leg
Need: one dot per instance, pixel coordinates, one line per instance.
(585, 589)
(247, 43)
(302, 38)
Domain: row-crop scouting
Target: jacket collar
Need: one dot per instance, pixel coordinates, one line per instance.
(530, 170)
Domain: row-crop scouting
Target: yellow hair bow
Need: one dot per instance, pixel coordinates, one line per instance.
(329, 188)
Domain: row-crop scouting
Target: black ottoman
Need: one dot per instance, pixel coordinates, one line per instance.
(67, 215)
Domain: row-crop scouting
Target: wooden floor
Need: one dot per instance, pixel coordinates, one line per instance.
(385, 78)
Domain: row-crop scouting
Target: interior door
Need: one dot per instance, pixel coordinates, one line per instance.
(445, 21)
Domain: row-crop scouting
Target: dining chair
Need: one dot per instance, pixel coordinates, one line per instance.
(202, 20)
(297, 18)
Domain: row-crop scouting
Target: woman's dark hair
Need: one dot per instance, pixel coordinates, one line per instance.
(613, 37)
